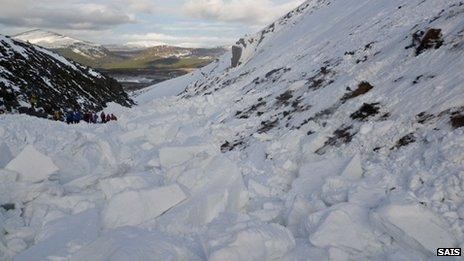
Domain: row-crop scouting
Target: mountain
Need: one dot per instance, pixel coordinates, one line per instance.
(166, 57)
(121, 56)
(336, 133)
(27, 70)
(54, 41)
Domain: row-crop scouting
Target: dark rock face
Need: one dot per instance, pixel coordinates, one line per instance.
(30, 75)
(431, 39)
(236, 55)
(423, 41)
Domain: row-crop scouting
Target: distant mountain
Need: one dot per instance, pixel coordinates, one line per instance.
(127, 56)
(51, 40)
(33, 75)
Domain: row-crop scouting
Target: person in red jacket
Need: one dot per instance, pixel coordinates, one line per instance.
(108, 118)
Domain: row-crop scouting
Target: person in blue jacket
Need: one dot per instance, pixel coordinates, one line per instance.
(70, 117)
(77, 117)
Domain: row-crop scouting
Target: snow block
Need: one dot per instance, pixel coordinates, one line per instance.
(63, 236)
(5, 154)
(353, 170)
(345, 226)
(312, 175)
(135, 207)
(135, 244)
(113, 186)
(218, 188)
(175, 156)
(232, 239)
(414, 226)
(32, 165)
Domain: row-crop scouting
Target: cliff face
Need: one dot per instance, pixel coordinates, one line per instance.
(31, 75)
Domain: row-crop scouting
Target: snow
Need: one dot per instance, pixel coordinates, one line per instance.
(5, 154)
(57, 57)
(135, 207)
(241, 238)
(67, 234)
(412, 225)
(343, 227)
(46, 39)
(218, 164)
(32, 165)
(136, 244)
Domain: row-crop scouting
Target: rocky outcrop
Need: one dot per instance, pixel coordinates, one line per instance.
(236, 55)
(37, 81)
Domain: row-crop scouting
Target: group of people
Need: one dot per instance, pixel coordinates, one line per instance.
(75, 117)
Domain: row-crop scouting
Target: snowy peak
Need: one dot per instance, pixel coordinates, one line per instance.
(54, 41)
(49, 39)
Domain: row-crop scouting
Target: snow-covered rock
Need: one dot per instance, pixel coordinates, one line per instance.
(27, 70)
(137, 206)
(32, 165)
(414, 226)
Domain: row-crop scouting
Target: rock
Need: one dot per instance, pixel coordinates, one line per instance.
(135, 207)
(433, 38)
(32, 165)
(414, 226)
(236, 55)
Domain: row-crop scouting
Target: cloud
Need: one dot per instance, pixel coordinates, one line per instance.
(256, 12)
(58, 15)
(142, 6)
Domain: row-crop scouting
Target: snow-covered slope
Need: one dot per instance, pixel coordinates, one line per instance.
(51, 40)
(337, 135)
(29, 73)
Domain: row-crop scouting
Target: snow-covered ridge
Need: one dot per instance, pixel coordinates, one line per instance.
(339, 137)
(51, 40)
(55, 83)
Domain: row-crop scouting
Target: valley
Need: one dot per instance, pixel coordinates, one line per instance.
(133, 66)
(136, 79)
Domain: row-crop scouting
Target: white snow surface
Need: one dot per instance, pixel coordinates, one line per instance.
(235, 167)
(51, 40)
(32, 165)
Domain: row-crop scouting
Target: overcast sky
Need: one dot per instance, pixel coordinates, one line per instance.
(175, 22)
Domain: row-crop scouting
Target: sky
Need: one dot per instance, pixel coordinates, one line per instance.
(192, 23)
